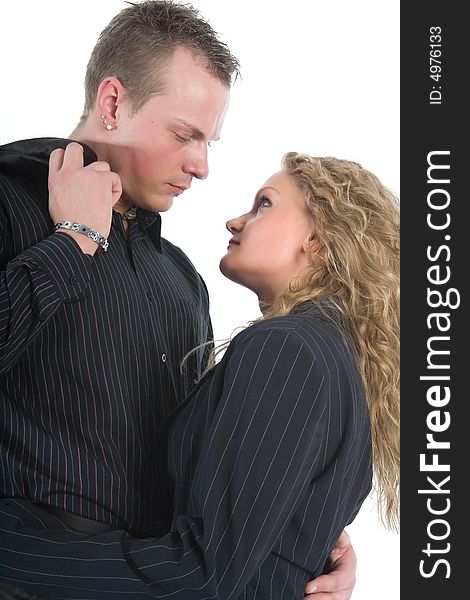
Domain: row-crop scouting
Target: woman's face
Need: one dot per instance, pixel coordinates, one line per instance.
(269, 243)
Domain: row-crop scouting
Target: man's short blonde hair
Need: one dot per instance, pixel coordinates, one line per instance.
(139, 41)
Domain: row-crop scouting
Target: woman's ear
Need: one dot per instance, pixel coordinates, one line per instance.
(311, 244)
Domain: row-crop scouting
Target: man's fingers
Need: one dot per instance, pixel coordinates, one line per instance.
(73, 156)
(55, 160)
(328, 596)
(70, 183)
(323, 583)
(116, 187)
(103, 167)
(99, 165)
(339, 583)
(328, 587)
(343, 541)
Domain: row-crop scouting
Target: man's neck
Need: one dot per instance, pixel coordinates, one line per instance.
(83, 134)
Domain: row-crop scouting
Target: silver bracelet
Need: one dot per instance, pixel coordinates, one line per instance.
(84, 230)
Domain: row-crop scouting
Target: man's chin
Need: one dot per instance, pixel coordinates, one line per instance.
(157, 203)
(165, 203)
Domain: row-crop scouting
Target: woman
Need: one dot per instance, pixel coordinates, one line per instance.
(271, 456)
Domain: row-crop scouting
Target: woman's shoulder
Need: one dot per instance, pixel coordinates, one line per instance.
(309, 344)
(311, 329)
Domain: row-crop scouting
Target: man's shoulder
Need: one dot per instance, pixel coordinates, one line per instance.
(23, 170)
(24, 193)
(23, 190)
(31, 156)
(34, 151)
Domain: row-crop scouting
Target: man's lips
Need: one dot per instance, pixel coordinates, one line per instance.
(233, 242)
(178, 189)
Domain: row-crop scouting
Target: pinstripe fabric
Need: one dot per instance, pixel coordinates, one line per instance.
(90, 349)
(269, 459)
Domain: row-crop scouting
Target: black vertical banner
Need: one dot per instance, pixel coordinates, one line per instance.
(435, 431)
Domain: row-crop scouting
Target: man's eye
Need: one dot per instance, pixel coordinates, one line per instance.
(182, 138)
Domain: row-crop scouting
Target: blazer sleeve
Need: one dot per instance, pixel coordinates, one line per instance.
(265, 446)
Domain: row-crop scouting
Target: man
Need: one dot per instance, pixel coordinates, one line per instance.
(96, 309)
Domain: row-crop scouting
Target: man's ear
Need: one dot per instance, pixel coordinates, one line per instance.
(110, 100)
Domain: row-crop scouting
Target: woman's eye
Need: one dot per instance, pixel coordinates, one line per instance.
(264, 201)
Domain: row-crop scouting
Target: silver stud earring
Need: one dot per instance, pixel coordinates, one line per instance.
(105, 123)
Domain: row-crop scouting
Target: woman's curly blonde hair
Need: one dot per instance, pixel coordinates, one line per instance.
(354, 269)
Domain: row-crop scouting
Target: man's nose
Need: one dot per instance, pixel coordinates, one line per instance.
(196, 163)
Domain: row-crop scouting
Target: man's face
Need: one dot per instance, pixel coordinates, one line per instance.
(159, 149)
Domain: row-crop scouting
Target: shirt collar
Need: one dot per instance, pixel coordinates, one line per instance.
(151, 222)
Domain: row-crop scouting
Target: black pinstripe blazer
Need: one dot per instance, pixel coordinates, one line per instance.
(270, 459)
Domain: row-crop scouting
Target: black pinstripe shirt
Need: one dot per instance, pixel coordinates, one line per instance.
(269, 459)
(90, 350)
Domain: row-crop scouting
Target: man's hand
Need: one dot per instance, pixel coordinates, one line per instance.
(339, 583)
(81, 194)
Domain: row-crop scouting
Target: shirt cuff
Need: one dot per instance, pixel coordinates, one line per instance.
(62, 260)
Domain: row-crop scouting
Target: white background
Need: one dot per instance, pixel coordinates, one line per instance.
(320, 77)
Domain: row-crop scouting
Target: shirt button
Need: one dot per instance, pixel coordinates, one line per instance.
(73, 280)
(149, 296)
(164, 358)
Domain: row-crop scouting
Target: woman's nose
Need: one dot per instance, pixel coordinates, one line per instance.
(235, 225)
